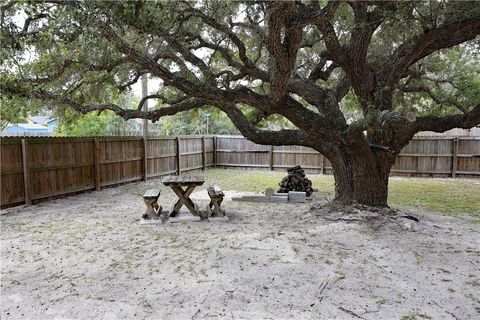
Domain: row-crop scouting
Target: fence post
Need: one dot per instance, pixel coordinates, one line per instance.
(177, 156)
(97, 164)
(271, 157)
(454, 157)
(26, 174)
(204, 156)
(145, 159)
(215, 151)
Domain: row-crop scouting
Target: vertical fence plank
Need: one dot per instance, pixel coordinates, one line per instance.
(26, 173)
(204, 154)
(177, 155)
(215, 148)
(97, 169)
(454, 157)
(145, 159)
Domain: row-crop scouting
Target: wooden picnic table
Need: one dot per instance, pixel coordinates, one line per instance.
(177, 183)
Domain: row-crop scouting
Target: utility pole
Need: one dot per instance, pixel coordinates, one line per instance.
(145, 127)
(145, 105)
(207, 116)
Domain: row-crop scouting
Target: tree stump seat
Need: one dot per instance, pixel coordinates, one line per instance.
(216, 197)
(153, 209)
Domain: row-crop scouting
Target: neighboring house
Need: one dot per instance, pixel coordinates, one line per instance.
(25, 129)
(44, 121)
(35, 126)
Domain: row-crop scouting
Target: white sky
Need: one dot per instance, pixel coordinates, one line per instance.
(153, 85)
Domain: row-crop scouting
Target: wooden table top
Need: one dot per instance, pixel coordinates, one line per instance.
(183, 180)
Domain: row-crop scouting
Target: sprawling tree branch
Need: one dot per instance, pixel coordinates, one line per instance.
(313, 14)
(442, 124)
(281, 137)
(284, 51)
(162, 98)
(451, 33)
(319, 73)
(225, 29)
(446, 36)
(154, 115)
(57, 74)
(291, 109)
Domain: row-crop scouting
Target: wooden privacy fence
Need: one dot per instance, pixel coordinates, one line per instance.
(40, 168)
(37, 168)
(430, 157)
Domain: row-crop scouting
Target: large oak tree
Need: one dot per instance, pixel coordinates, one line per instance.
(306, 61)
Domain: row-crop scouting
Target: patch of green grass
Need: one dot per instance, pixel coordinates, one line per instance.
(91, 260)
(259, 180)
(450, 196)
(418, 258)
(454, 197)
(415, 315)
(163, 235)
(114, 264)
(308, 257)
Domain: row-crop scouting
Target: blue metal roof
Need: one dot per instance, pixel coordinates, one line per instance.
(28, 126)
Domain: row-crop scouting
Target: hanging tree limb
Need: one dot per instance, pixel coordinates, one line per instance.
(154, 115)
(449, 34)
(280, 137)
(442, 124)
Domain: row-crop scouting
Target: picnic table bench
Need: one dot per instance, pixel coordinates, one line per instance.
(216, 198)
(183, 187)
(153, 209)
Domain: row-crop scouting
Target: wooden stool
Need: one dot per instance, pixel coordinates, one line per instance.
(153, 209)
(216, 197)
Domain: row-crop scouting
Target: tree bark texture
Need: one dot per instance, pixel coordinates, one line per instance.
(359, 180)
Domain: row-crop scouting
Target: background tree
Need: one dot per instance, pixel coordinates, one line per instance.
(194, 122)
(76, 124)
(308, 62)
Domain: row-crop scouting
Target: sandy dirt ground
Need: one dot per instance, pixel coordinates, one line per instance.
(88, 257)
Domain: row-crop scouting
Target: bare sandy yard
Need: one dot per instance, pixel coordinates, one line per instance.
(88, 257)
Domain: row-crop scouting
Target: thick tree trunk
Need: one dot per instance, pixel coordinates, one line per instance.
(361, 179)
